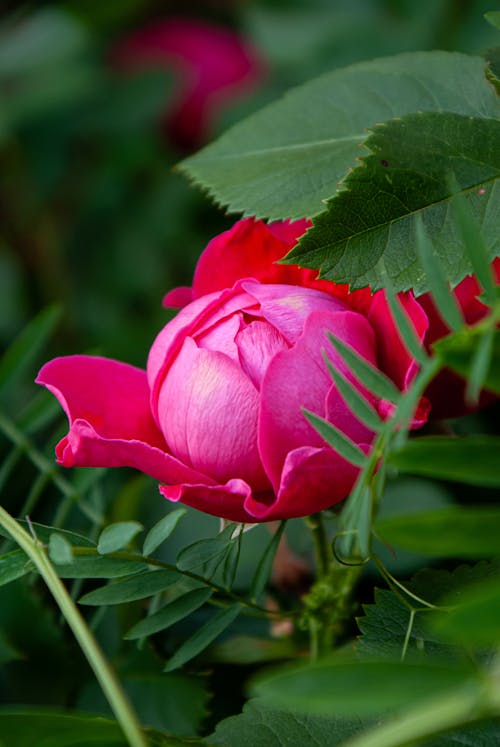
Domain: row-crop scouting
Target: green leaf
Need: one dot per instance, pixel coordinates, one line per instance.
(21, 356)
(203, 637)
(336, 439)
(373, 379)
(117, 536)
(470, 459)
(170, 614)
(162, 530)
(60, 550)
(388, 629)
(25, 727)
(398, 623)
(201, 553)
(250, 650)
(139, 586)
(436, 278)
(492, 57)
(173, 703)
(92, 565)
(468, 352)
(368, 229)
(14, 565)
(265, 565)
(261, 725)
(352, 687)
(459, 532)
(480, 366)
(474, 244)
(493, 17)
(285, 160)
(353, 399)
(475, 621)
(403, 324)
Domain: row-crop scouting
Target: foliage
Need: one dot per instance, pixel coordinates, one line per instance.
(396, 161)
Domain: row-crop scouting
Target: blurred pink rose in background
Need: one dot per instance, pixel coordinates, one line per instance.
(212, 66)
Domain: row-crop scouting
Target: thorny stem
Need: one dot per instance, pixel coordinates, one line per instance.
(101, 667)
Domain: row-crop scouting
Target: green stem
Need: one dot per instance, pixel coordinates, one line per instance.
(105, 675)
(324, 557)
(327, 605)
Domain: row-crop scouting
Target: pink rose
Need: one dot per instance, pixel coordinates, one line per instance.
(217, 418)
(212, 66)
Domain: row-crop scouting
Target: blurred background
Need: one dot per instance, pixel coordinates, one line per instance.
(98, 102)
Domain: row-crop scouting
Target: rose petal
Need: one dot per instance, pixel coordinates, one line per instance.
(313, 479)
(257, 344)
(208, 413)
(194, 319)
(392, 354)
(287, 307)
(250, 249)
(178, 297)
(298, 378)
(222, 337)
(226, 501)
(107, 404)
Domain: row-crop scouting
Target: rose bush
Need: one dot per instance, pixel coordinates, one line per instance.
(217, 418)
(212, 65)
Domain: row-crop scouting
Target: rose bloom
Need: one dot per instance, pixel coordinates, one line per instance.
(212, 66)
(217, 418)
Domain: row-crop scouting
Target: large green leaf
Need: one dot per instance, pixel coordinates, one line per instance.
(457, 532)
(346, 686)
(31, 729)
(261, 725)
(388, 628)
(173, 703)
(398, 622)
(476, 618)
(24, 727)
(471, 459)
(285, 160)
(416, 164)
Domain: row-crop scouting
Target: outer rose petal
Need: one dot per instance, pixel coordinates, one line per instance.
(107, 404)
(226, 501)
(447, 391)
(249, 249)
(313, 479)
(179, 297)
(393, 356)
